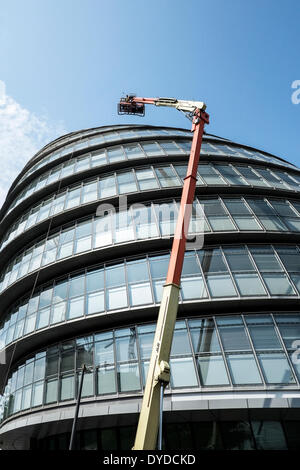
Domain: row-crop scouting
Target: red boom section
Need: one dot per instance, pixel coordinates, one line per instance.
(178, 249)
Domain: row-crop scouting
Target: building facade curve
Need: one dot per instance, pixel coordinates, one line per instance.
(85, 238)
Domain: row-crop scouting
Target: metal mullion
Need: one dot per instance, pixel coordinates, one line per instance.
(253, 350)
(258, 271)
(223, 354)
(285, 349)
(193, 352)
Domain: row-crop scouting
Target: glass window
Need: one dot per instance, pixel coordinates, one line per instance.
(183, 372)
(278, 284)
(146, 179)
(37, 393)
(73, 198)
(126, 182)
(251, 176)
(249, 284)
(159, 266)
(103, 231)
(212, 261)
(107, 187)
(95, 303)
(276, 368)
(106, 382)
(220, 285)
(146, 341)
(210, 175)
(167, 177)
(84, 354)
(234, 338)
(126, 345)
(89, 192)
(76, 286)
(140, 294)
(238, 259)
(265, 259)
(289, 333)
(237, 435)
(212, 371)
(231, 175)
(133, 151)
(51, 390)
(193, 288)
(39, 368)
(115, 276)
(58, 312)
(180, 344)
(152, 149)
(67, 387)
(95, 280)
(128, 377)
(116, 298)
(170, 147)
(76, 307)
(67, 360)
(104, 349)
(205, 340)
(290, 258)
(243, 369)
(115, 154)
(60, 291)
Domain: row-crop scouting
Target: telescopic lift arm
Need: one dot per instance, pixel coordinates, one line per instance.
(159, 369)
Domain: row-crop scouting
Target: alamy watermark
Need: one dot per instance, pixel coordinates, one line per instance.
(296, 94)
(140, 221)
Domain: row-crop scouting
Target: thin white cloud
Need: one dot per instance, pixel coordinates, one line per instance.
(22, 134)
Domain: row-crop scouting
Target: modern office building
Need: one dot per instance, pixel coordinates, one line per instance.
(81, 283)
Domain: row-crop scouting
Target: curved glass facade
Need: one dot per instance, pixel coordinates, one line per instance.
(153, 221)
(132, 151)
(225, 272)
(145, 179)
(82, 277)
(223, 351)
(99, 139)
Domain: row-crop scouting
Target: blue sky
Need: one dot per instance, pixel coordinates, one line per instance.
(65, 63)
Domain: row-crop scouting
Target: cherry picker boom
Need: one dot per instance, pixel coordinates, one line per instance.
(159, 369)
